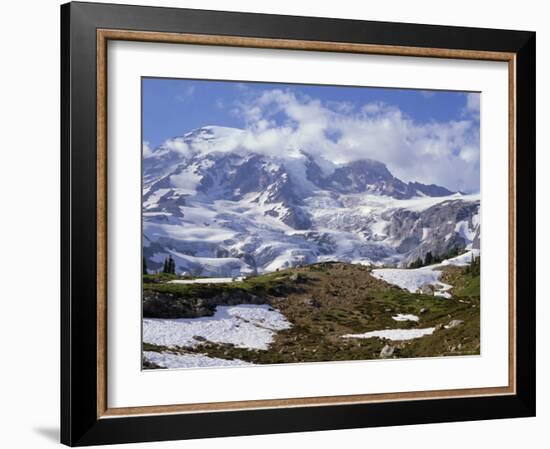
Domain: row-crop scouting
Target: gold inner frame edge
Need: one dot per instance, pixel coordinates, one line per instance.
(104, 35)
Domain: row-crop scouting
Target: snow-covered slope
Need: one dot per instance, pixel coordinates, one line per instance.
(174, 361)
(414, 280)
(245, 326)
(221, 210)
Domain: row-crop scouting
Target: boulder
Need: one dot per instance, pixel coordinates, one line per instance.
(426, 289)
(386, 352)
(313, 302)
(454, 323)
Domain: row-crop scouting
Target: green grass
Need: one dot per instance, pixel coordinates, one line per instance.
(266, 284)
(169, 300)
(159, 277)
(470, 288)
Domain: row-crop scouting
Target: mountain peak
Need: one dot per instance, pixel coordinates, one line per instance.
(308, 171)
(219, 131)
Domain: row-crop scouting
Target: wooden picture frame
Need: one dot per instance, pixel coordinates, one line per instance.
(86, 29)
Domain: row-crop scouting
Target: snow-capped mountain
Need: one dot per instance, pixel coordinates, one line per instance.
(221, 209)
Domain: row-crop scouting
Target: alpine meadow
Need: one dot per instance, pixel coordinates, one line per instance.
(290, 223)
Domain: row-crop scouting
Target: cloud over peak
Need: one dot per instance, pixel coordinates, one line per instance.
(279, 121)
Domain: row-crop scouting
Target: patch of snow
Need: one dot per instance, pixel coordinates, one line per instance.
(394, 334)
(462, 260)
(475, 219)
(187, 180)
(378, 228)
(174, 361)
(425, 233)
(213, 266)
(153, 199)
(288, 258)
(443, 293)
(463, 229)
(245, 326)
(188, 232)
(412, 279)
(207, 280)
(422, 203)
(405, 317)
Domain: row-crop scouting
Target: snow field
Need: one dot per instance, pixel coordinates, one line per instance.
(405, 317)
(394, 334)
(174, 361)
(413, 279)
(207, 280)
(245, 326)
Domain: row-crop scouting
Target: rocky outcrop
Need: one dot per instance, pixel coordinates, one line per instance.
(454, 323)
(170, 305)
(387, 352)
(372, 176)
(160, 302)
(440, 229)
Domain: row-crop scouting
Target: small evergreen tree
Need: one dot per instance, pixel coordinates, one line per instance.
(469, 268)
(171, 265)
(144, 266)
(475, 266)
(429, 258)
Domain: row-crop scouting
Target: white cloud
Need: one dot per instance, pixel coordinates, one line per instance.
(279, 123)
(146, 149)
(177, 144)
(187, 180)
(472, 104)
(444, 153)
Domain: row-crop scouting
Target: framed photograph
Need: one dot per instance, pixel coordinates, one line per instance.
(281, 224)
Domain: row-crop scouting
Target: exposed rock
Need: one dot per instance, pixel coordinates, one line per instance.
(295, 217)
(297, 278)
(168, 305)
(409, 228)
(372, 176)
(454, 323)
(387, 351)
(427, 289)
(314, 303)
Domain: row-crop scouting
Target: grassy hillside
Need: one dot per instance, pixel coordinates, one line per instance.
(324, 302)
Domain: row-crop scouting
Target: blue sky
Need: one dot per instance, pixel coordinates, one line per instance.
(420, 135)
(172, 107)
